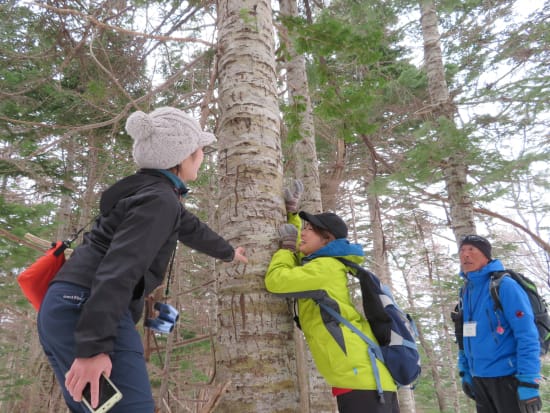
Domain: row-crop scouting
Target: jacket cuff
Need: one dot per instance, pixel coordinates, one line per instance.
(230, 258)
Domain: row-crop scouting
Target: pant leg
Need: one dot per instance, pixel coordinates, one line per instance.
(56, 324)
(366, 401)
(129, 371)
(496, 395)
(57, 321)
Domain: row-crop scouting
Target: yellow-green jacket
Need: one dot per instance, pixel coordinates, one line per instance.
(339, 354)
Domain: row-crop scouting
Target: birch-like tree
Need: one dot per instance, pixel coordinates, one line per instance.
(301, 162)
(442, 111)
(255, 350)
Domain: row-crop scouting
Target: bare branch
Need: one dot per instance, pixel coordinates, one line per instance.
(97, 23)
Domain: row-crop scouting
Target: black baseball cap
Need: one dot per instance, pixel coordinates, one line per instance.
(328, 221)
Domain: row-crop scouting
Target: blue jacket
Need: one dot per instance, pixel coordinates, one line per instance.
(504, 342)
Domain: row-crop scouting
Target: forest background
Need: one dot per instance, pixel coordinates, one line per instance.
(418, 122)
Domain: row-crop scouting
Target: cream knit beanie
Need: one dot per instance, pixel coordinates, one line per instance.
(165, 137)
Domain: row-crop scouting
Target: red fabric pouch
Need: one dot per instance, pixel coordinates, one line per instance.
(35, 279)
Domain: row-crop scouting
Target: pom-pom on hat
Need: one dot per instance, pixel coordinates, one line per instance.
(165, 137)
(479, 242)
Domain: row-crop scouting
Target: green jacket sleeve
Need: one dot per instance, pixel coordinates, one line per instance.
(340, 355)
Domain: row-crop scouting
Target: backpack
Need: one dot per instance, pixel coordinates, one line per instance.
(394, 330)
(538, 304)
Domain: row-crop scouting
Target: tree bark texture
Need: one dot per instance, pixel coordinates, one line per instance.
(254, 349)
(433, 57)
(301, 156)
(454, 168)
(333, 175)
(380, 254)
(301, 162)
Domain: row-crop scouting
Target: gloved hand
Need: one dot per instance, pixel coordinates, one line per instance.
(465, 376)
(293, 193)
(528, 393)
(288, 234)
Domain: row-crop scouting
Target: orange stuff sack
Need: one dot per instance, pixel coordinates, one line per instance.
(35, 279)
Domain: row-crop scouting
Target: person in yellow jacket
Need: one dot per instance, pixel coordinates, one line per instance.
(313, 274)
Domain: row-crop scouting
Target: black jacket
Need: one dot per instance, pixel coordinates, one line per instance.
(125, 255)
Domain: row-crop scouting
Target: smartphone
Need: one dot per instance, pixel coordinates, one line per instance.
(109, 395)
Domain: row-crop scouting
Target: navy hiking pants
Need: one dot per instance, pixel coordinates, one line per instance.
(57, 319)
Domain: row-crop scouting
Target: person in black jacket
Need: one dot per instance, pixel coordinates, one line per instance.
(87, 319)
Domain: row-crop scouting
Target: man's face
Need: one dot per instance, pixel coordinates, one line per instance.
(471, 258)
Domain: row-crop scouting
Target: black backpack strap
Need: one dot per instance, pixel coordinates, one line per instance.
(296, 317)
(351, 264)
(357, 267)
(373, 307)
(457, 316)
(494, 286)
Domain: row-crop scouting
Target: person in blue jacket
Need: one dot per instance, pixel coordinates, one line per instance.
(499, 364)
(86, 322)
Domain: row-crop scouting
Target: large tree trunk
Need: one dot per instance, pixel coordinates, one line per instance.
(301, 156)
(301, 163)
(380, 253)
(255, 350)
(454, 168)
(333, 174)
(64, 212)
